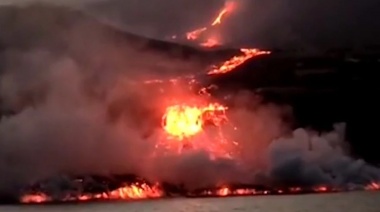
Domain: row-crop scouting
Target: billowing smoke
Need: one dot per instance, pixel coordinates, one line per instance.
(62, 77)
(70, 106)
(309, 158)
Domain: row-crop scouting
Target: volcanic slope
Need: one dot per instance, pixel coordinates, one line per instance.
(338, 85)
(34, 35)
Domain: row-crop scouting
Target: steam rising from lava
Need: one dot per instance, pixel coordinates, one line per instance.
(79, 117)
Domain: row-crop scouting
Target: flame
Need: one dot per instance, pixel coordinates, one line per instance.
(183, 121)
(129, 192)
(236, 61)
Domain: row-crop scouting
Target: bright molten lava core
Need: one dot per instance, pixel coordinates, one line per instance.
(183, 121)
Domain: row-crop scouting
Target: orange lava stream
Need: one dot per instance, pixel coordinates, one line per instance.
(211, 42)
(236, 61)
(193, 35)
(229, 6)
(130, 192)
(143, 191)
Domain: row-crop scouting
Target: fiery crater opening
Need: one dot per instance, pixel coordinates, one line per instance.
(184, 121)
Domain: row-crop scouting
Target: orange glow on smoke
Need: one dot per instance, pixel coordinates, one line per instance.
(236, 61)
(130, 192)
(183, 121)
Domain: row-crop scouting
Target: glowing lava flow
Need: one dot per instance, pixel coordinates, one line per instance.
(211, 42)
(183, 121)
(143, 191)
(228, 7)
(130, 192)
(193, 35)
(236, 61)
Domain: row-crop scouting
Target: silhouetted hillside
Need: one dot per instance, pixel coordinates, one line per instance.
(35, 37)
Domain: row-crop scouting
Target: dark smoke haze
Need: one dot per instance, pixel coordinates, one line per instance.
(61, 73)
